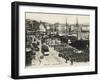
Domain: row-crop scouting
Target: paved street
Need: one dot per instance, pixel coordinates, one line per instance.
(53, 60)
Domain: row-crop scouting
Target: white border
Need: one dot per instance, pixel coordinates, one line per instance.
(23, 71)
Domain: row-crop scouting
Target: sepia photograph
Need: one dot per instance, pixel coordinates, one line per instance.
(50, 40)
(56, 40)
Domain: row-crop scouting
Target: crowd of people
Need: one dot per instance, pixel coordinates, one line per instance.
(72, 54)
(39, 45)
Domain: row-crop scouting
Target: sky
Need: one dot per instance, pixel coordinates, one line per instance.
(58, 18)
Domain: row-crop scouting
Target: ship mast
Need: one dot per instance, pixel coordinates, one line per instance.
(78, 29)
(77, 25)
(67, 27)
